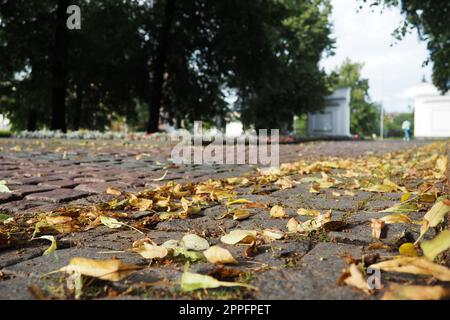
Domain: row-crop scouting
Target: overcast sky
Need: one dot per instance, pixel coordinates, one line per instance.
(366, 36)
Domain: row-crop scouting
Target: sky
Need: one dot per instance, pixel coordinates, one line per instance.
(392, 67)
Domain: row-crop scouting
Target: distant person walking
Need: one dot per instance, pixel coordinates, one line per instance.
(406, 127)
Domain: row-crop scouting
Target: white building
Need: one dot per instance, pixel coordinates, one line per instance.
(431, 111)
(334, 119)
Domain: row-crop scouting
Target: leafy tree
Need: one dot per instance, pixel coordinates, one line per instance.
(365, 115)
(431, 19)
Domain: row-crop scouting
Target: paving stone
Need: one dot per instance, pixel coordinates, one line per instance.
(23, 190)
(58, 195)
(7, 197)
(101, 187)
(59, 184)
(19, 206)
(41, 265)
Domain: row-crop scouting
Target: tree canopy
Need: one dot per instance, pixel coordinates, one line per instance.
(135, 59)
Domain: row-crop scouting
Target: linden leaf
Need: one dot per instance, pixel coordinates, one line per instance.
(407, 292)
(110, 269)
(308, 212)
(3, 187)
(218, 255)
(237, 236)
(396, 218)
(278, 212)
(110, 222)
(238, 201)
(193, 281)
(194, 242)
(241, 214)
(414, 265)
(377, 226)
(356, 279)
(434, 247)
(151, 251)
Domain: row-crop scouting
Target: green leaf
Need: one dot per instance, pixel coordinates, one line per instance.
(194, 281)
(3, 187)
(4, 217)
(185, 254)
(110, 222)
(440, 243)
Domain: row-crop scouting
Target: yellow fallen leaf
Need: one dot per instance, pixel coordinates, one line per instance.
(308, 212)
(241, 214)
(434, 247)
(396, 218)
(239, 236)
(402, 207)
(218, 255)
(349, 193)
(414, 265)
(292, 225)
(405, 292)
(335, 194)
(113, 191)
(433, 217)
(193, 281)
(377, 226)
(408, 250)
(238, 201)
(57, 219)
(356, 279)
(110, 222)
(151, 251)
(277, 212)
(285, 183)
(441, 167)
(273, 234)
(194, 242)
(141, 203)
(111, 269)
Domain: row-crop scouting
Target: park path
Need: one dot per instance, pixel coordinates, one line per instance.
(51, 178)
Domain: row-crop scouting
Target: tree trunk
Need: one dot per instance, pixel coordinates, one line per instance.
(32, 120)
(78, 103)
(59, 69)
(159, 67)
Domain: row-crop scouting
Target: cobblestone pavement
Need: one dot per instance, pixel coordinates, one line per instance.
(48, 175)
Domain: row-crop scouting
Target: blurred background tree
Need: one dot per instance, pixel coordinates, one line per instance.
(143, 60)
(364, 114)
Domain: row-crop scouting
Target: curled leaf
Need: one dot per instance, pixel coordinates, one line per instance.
(405, 292)
(434, 247)
(194, 242)
(151, 251)
(110, 269)
(52, 247)
(192, 281)
(278, 212)
(377, 226)
(239, 236)
(218, 255)
(414, 265)
(110, 222)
